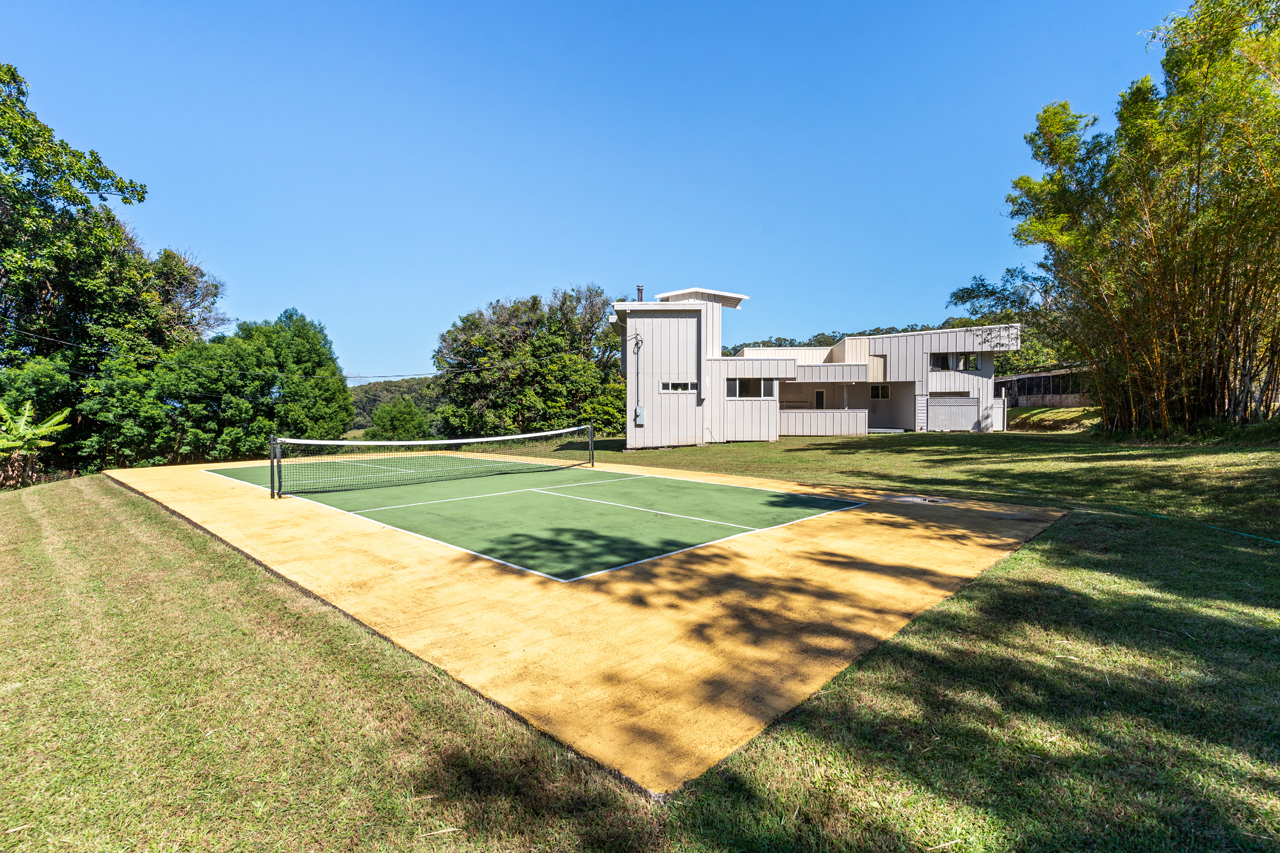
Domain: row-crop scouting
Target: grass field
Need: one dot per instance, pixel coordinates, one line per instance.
(1052, 418)
(1112, 686)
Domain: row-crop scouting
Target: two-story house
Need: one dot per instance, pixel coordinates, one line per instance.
(681, 390)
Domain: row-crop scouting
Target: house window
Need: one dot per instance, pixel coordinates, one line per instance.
(750, 388)
(879, 392)
(953, 361)
(679, 387)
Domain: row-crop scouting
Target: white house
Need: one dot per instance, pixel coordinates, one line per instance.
(680, 390)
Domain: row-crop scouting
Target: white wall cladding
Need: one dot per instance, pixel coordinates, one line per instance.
(825, 422)
(831, 372)
(999, 415)
(713, 405)
(850, 351)
(876, 368)
(669, 352)
(750, 420)
(801, 355)
(758, 368)
(681, 342)
(908, 354)
(954, 413)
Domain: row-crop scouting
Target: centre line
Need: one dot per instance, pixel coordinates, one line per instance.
(495, 494)
(645, 509)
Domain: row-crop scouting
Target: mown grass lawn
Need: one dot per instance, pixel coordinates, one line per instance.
(1112, 686)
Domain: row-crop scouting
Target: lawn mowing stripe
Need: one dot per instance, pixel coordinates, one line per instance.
(644, 509)
(491, 495)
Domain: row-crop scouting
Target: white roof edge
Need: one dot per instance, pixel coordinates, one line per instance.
(655, 306)
(738, 296)
(927, 332)
(815, 349)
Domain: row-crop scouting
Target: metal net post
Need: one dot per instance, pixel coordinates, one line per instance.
(591, 444)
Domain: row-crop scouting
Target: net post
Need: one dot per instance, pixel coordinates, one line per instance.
(591, 443)
(271, 463)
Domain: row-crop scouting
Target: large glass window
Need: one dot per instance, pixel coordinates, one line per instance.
(750, 388)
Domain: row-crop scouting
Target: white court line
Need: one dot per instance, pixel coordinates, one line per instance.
(644, 509)
(403, 470)
(856, 504)
(497, 494)
(367, 465)
(717, 541)
(852, 505)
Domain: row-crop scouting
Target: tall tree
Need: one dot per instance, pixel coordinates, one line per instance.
(215, 400)
(1162, 240)
(529, 364)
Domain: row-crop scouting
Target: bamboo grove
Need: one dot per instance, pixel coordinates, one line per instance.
(1161, 267)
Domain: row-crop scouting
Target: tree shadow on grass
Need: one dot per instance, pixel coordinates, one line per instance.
(539, 789)
(1041, 709)
(1005, 467)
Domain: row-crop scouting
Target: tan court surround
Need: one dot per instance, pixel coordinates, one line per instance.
(657, 671)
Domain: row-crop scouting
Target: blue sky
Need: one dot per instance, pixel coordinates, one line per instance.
(385, 167)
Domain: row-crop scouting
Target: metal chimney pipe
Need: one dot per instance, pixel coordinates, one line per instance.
(640, 293)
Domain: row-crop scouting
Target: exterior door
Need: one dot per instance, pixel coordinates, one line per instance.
(819, 399)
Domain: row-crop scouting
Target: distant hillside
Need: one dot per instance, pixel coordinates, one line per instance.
(422, 390)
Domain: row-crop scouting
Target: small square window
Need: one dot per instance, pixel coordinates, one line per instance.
(939, 361)
(879, 392)
(666, 386)
(731, 388)
(970, 361)
(767, 387)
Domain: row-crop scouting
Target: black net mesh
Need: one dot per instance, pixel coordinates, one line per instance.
(303, 466)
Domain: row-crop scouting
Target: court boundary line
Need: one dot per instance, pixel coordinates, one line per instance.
(491, 494)
(646, 509)
(852, 505)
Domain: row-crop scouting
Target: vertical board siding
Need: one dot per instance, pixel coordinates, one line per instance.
(823, 422)
(801, 355)
(759, 368)
(751, 420)
(999, 415)
(669, 353)
(831, 373)
(954, 413)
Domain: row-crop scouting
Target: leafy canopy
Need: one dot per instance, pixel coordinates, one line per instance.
(1161, 241)
(531, 364)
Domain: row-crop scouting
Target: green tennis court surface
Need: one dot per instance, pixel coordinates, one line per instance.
(567, 523)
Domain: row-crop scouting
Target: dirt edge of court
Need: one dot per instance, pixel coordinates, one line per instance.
(692, 655)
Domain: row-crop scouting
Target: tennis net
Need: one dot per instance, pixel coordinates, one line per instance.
(299, 466)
